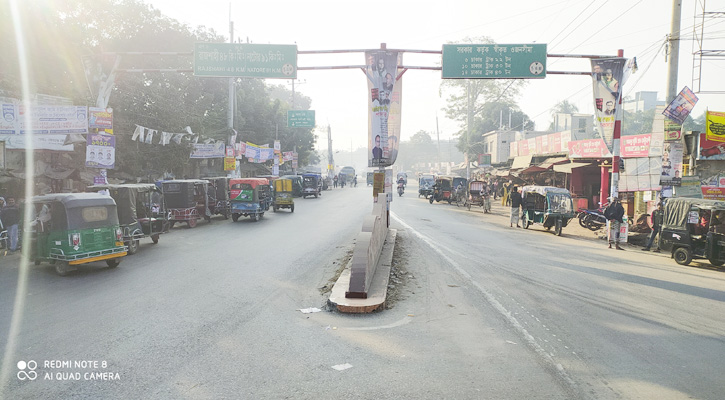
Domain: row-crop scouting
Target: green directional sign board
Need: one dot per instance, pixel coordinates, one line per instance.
(301, 118)
(245, 60)
(493, 61)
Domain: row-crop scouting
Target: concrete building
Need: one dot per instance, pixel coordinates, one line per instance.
(642, 101)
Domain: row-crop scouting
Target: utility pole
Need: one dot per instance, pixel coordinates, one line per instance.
(468, 131)
(614, 189)
(673, 54)
(438, 137)
(330, 159)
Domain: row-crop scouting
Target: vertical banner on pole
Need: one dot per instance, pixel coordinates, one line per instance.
(384, 106)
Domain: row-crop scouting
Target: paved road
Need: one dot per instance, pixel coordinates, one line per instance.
(479, 310)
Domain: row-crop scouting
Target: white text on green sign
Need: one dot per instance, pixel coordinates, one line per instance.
(245, 60)
(301, 118)
(493, 61)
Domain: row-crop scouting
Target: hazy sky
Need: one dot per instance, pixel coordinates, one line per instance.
(600, 27)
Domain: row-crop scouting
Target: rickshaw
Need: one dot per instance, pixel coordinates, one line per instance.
(425, 185)
(547, 205)
(141, 211)
(296, 184)
(443, 191)
(187, 200)
(370, 178)
(219, 196)
(693, 228)
(311, 185)
(70, 229)
(475, 194)
(459, 196)
(250, 197)
(283, 195)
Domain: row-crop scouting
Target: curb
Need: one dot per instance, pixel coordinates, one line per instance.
(378, 290)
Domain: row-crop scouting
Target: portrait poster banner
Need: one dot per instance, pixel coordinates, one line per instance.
(680, 107)
(607, 73)
(672, 164)
(715, 126)
(384, 106)
(101, 151)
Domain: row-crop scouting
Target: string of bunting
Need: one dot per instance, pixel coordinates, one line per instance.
(146, 135)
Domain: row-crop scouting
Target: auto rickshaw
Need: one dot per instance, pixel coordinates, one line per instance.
(219, 196)
(296, 184)
(425, 185)
(283, 195)
(311, 185)
(141, 211)
(75, 228)
(187, 200)
(249, 197)
(547, 205)
(693, 228)
(443, 190)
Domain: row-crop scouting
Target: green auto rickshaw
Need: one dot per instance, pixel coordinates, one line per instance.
(70, 229)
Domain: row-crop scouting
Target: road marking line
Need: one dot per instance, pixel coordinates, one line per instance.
(491, 299)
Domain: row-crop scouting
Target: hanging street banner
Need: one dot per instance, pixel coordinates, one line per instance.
(672, 164)
(100, 118)
(493, 61)
(673, 131)
(607, 73)
(101, 151)
(301, 118)
(680, 107)
(715, 126)
(46, 119)
(245, 60)
(384, 106)
(210, 150)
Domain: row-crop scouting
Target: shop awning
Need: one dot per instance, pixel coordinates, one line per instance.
(549, 162)
(566, 168)
(521, 162)
(59, 173)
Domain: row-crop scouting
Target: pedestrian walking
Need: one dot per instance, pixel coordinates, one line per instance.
(656, 219)
(334, 182)
(615, 214)
(515, 198)
(10, 216)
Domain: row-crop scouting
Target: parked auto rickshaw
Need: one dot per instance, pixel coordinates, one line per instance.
(443, 190)
(311, 185)
(547, 205)
(75, 228)
(283, 195)
(141, 211)
(475, 194)
(694, 228)
(218, 193)
(250, 197)
(425, 185)
(296, 184)
(187, 200)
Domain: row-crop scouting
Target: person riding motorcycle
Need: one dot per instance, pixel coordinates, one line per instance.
(401, 186)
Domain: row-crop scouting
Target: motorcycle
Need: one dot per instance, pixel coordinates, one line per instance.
(593, 220)
(400, 189)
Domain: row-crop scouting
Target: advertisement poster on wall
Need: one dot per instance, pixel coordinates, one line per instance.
(101, 151)
(672, 164)
(715, 126)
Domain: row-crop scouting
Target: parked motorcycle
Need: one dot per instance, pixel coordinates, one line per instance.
(593, 220)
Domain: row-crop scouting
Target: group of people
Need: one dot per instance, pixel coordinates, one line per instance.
(10, 221)
(341, 179)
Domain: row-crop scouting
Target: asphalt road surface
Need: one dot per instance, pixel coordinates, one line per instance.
(477, 310)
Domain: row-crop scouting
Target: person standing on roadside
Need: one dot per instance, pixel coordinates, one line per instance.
(615, 214)
(10, 216)
(656, 227)
(515, 198)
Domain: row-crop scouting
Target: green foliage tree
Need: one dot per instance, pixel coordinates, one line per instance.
(486, 97)
(562, 107)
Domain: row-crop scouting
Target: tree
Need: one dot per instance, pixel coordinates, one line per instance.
(562, 107)
(479, 93)
(421, 137)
